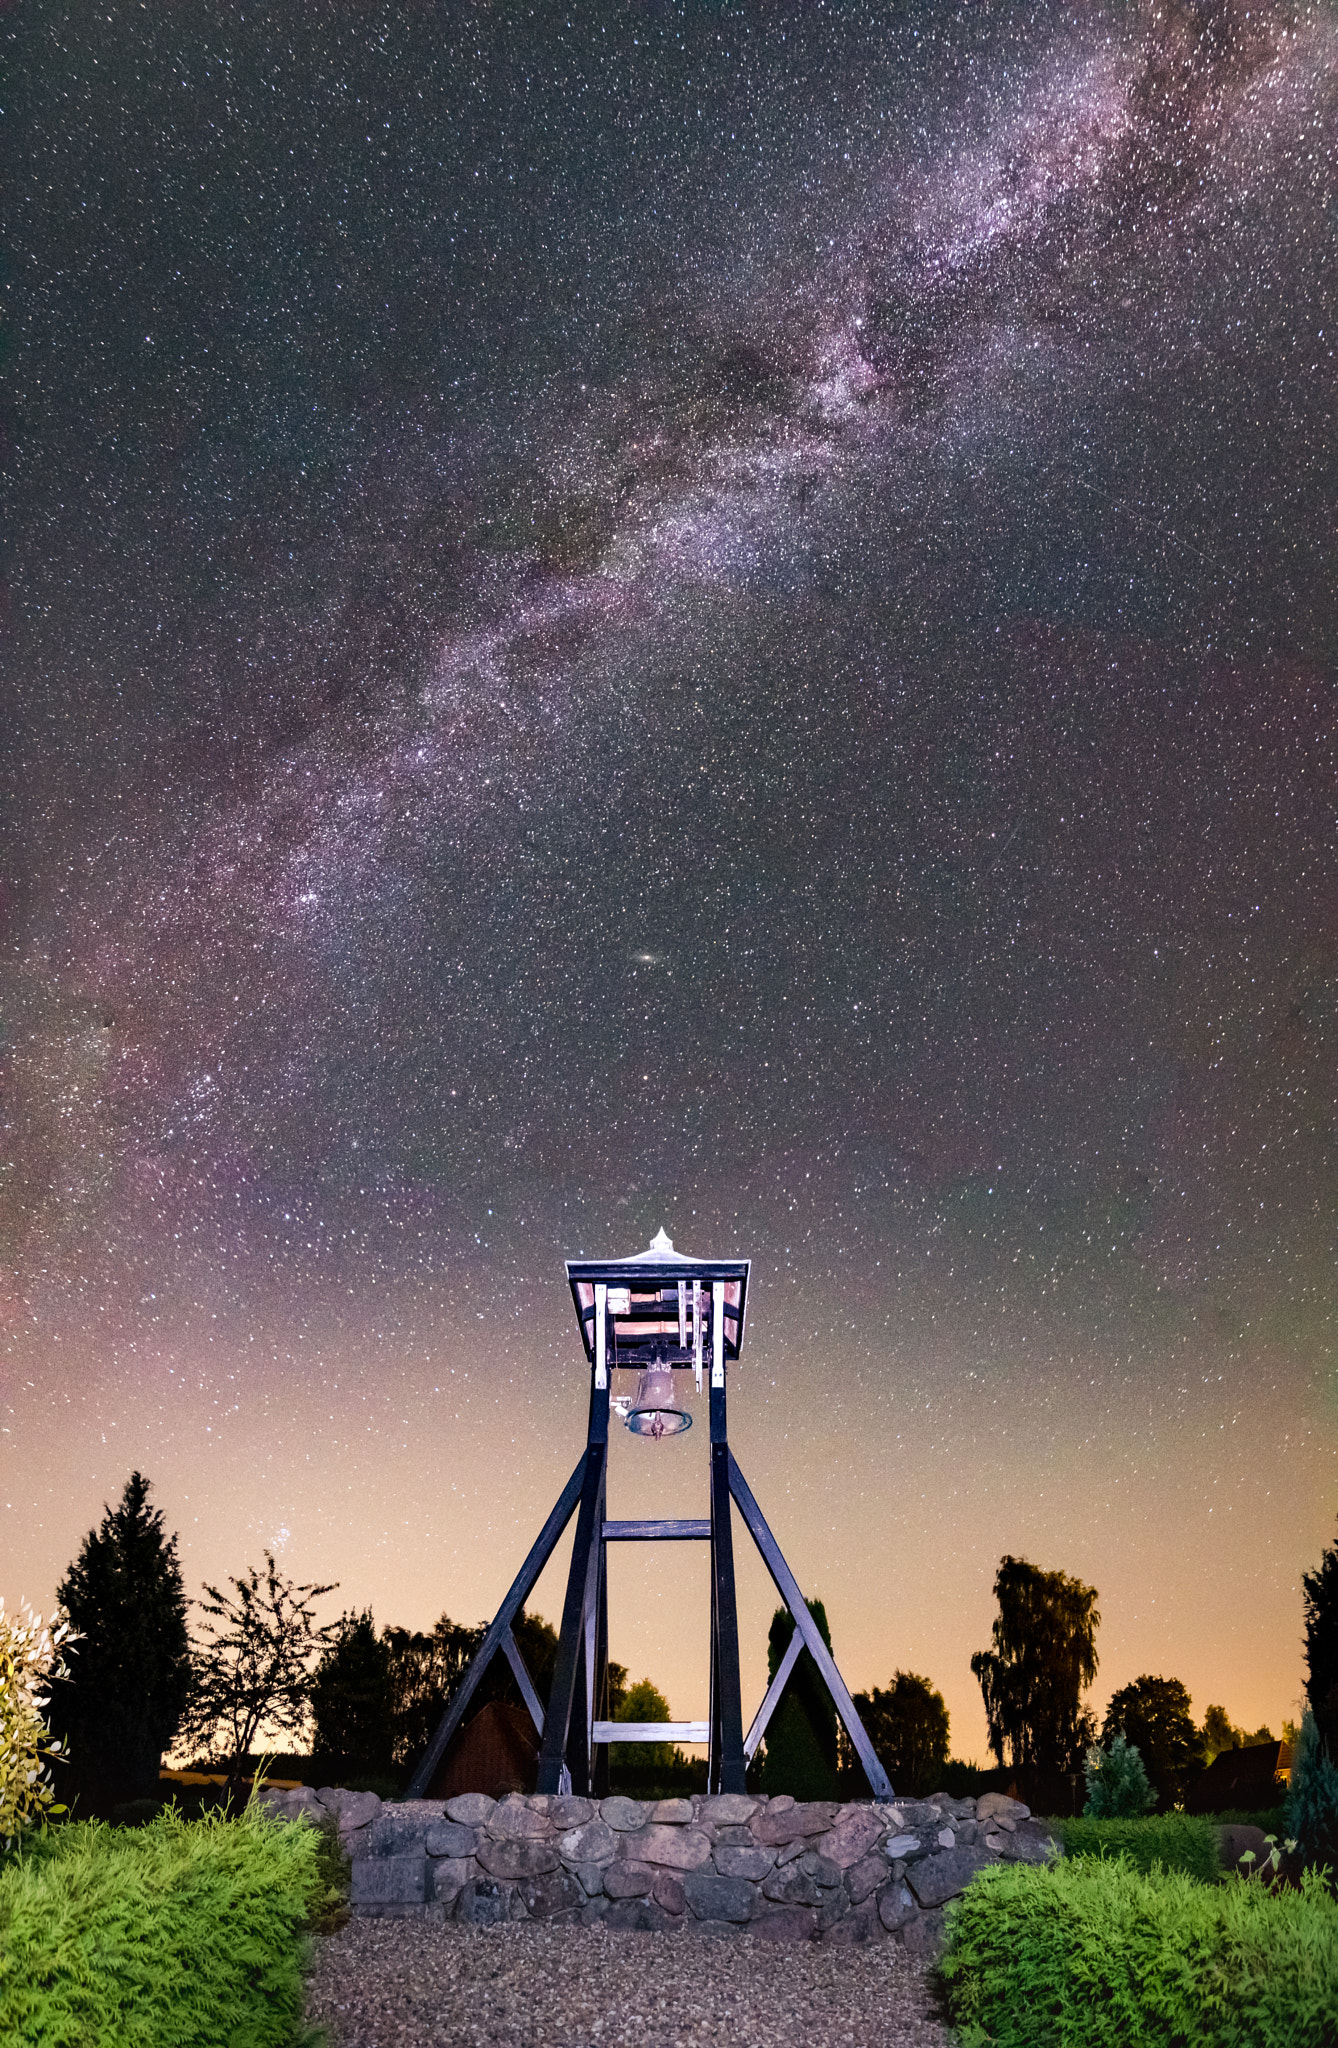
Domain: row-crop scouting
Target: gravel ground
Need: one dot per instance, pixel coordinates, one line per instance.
(379, 1982)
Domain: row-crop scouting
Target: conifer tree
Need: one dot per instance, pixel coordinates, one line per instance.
(130, 1676)
(1321, 1646)
(801, 1750)
(351, 1701)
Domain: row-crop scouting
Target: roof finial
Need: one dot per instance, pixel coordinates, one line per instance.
(661, 1242)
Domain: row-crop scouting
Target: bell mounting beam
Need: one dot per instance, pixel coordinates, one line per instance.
(659, 1313)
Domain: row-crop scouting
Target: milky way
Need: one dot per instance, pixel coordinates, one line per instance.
(719, 618)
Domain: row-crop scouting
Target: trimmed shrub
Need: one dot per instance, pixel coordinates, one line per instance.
(1117, 1784)
(1098, 1955)
(181, 1931)
(1184, 1842)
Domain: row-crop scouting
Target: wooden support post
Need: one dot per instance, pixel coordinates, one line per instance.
(788, 1588)
(727, 1769)
(569, 1672)
(521, 1588)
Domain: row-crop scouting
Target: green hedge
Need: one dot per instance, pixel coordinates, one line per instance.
(1177, 1841)
(1097, 1955)
(186, 1933)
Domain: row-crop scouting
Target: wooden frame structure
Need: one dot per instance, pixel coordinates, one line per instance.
(663, 1309)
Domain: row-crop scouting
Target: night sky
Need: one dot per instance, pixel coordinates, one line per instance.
(718, 616)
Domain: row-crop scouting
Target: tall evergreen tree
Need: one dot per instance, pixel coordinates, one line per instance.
(1032, 1680)
(130, 1676)
(1321, 1646)
(801, 1735)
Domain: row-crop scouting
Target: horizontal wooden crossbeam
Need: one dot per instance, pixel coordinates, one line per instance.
(652, 1731)
(657, 1532)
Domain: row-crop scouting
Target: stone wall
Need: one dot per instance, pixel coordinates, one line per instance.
(840, 1873)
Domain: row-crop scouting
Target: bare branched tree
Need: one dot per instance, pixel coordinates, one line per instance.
(254, 1666)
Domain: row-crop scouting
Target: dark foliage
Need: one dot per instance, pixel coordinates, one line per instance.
(1153, 1716)
(425, 1671)
(801, 1749)
(908, 1727)
(130, 1677)
(1032, 1680)
(1321, 1645)
(351, 1700)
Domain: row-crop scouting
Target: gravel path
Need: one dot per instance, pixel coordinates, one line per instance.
(402, 1982)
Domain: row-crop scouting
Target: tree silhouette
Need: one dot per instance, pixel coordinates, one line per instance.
(801, 1749)
(1321, 1646)
(351, 1701)
(426, 1669)
(643, 1702)
(253, 1668)
(1032, 1680)
(1153, 1715)
(130, 1676)
(908, 1727)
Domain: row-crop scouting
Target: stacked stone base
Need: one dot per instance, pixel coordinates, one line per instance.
(819, 1871)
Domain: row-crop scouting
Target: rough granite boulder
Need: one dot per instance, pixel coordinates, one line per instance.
(448, 1878)
(854, 1834)
(896, 1906)
(726, 1809)
(718, 1898)
(679, 1847)
(513, 1819)
(626, 1815)
(862, 1877)
(594, 1843)
(998, 1806)
(752, 1863)
(638, 1916)
(449, 1838)
(777, 1824)
(515, 1859)
(485, 1903)
(790, 1887)
(470, 1808)
(545, 1897)
(936, 1879)
(565, 1812)
(628, 1880)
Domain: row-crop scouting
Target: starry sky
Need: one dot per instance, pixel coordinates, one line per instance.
(719, 616)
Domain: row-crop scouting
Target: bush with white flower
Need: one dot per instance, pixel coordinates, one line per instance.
(32, 1654)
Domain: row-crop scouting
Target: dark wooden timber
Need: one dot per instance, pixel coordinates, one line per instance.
(728, 1766)
(657, 1532)
(567, 1749)
(787, 1587)
(521, 1587)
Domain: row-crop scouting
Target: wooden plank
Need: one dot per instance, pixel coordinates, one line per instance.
(773, 1693)
(657, 1532)
(524, 1681)
(788, 1588)
(521, 1587)
(652, 1731)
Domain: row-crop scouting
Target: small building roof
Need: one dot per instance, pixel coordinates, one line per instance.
(651, 1302)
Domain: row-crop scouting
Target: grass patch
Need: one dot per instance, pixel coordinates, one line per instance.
(172, 1933)
(1093, 1954)
(1185, 1842)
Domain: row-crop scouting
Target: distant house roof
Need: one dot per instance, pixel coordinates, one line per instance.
(1250, 1779)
